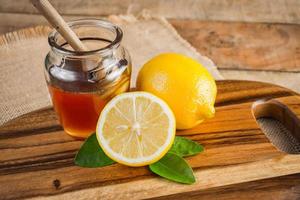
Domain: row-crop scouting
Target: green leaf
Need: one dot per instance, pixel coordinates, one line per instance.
(174, 168)
(91, 154)
(185, 147)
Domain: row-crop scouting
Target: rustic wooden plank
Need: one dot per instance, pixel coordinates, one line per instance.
(282, 11)
(11, 22)
(38, 161)
(286, 79)
(252, 46)
(280, 188)
(206, 179)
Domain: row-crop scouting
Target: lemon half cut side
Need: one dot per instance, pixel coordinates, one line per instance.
(136, 128)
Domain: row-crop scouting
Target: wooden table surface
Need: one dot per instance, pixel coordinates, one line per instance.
(248, 37)
(251, 40)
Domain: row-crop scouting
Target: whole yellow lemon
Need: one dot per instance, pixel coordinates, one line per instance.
(187, 87)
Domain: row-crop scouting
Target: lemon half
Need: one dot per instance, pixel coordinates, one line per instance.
(136, 128)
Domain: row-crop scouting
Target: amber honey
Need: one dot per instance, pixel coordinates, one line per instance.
(78, 112)
(82, 82)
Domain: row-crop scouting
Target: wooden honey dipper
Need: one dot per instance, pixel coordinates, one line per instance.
(57, 22)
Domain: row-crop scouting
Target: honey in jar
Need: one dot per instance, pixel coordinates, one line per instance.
(81, 83)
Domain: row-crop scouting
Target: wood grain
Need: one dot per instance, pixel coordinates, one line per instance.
(232, 46)
(280, 188)
(11, 22)
(36, 157)
(248, 46)
(286, 79)
(280, 11)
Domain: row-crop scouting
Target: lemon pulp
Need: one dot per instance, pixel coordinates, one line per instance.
(136, 128)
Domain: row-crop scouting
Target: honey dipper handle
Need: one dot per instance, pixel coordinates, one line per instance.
(53, 17)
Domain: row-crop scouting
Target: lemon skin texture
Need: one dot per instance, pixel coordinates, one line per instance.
(187, 87)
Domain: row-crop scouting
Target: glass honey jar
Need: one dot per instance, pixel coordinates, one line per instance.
(82, 82)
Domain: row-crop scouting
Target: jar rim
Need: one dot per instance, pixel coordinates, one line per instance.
(52, 37)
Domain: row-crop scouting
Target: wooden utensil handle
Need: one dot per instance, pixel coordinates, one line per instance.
(59, 24)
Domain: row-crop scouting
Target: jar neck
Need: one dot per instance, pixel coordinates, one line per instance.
(101, 38)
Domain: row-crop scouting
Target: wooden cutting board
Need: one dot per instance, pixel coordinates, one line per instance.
(36, 156)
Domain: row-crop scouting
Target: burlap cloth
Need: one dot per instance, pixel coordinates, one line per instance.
(23, 87)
